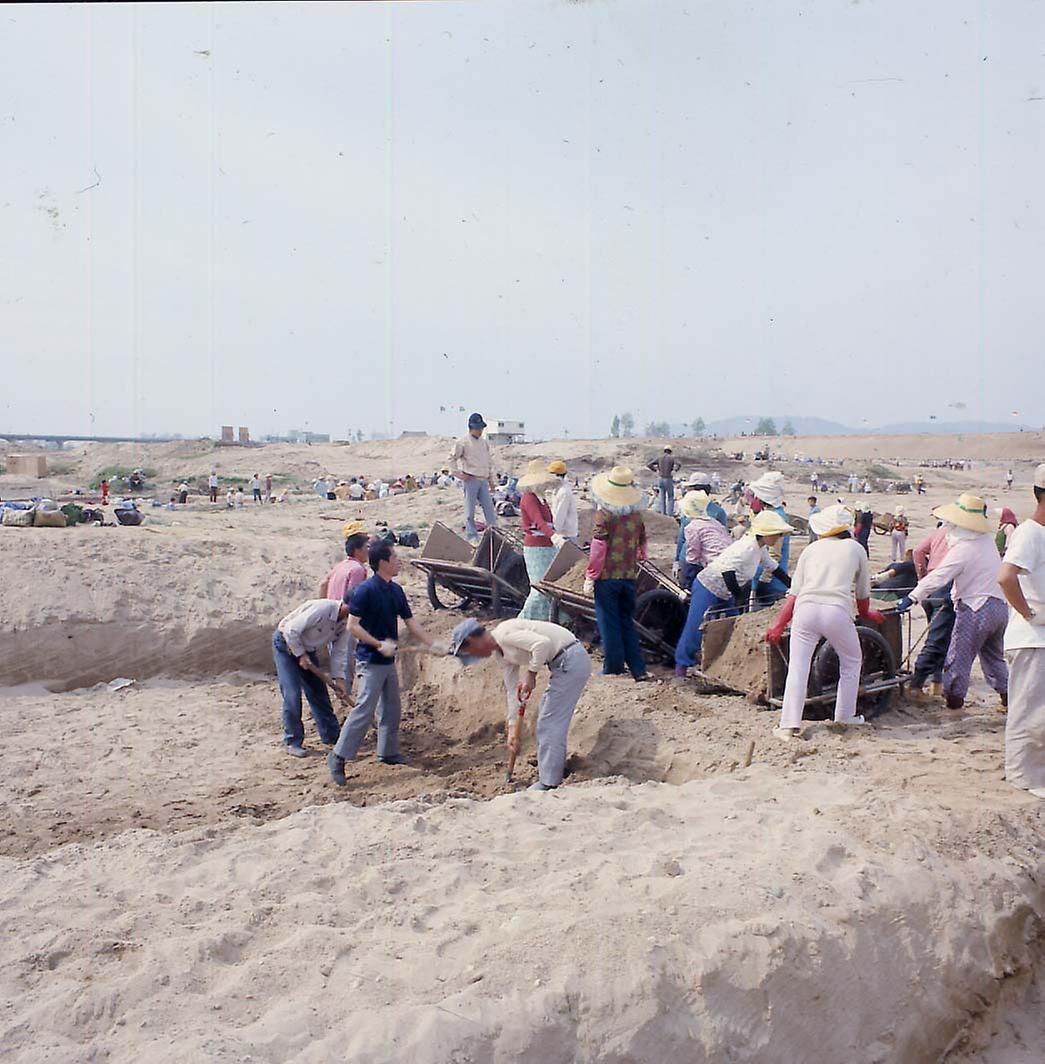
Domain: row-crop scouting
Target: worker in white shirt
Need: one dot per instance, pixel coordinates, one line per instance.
(472, 463)
(297, 637)
(1022, 579)
(524, 648)
(564, 505)
(821, 604)
(212, 484)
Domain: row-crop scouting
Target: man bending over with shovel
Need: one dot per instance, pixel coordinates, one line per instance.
(294, 644)
(523, 647)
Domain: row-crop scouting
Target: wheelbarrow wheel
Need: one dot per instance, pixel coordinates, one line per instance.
(878, 663)
(437, 603)
(662, 612)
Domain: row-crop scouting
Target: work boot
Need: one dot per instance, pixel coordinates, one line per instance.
(936, 690)
(337, 768)
(295, 750)
(919, 696)
(953, 702)
(394, 759)
(1003, 702)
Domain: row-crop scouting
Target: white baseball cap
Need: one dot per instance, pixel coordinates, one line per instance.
(1039, 476)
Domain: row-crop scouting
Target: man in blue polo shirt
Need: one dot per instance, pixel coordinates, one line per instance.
(375, 610)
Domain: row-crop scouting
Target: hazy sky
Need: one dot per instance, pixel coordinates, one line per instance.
(348, 216)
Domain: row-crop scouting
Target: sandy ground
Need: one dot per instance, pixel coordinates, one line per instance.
(174, 888)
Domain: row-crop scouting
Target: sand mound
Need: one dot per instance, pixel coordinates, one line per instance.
(585, 926)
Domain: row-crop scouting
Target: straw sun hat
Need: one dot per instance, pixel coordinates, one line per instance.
(970, 511)
(615, 491)
(769, 523)
(536, 477)
(831, 521)
(694, 504)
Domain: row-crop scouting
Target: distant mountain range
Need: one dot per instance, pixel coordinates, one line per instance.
(817, 426)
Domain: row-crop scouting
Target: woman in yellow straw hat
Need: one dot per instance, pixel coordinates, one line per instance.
(345, 577)
(719, 587)
(704, 538)
(980, 611)
(618, 544)
(821, 605)
(540, 540)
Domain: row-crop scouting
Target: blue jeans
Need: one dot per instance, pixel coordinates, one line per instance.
(687, 652)
(293, 679)
(477, 490)
(667, 496)
(615, 616)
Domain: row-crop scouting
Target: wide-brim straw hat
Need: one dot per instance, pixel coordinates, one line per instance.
(694, 504)
(970, 511)
(769, 523)
(831, 521)
(535, 477)
(769, 488)
(616, 491)
(899, 511)
(557, 468)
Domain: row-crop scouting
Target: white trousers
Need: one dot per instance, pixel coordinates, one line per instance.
(812, 622)
(1025, 723)
(899, 545)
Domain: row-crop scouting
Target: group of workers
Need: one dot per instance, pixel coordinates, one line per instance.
(727, 572)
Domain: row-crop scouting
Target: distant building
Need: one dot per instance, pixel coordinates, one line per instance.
(303, 436)
(408, 435)
(501, 432)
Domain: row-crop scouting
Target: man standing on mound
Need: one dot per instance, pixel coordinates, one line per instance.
(375, 609)
(523, 648)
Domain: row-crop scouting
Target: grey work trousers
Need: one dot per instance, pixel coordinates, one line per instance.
(569, 673)
(1025, 724)
(378, 692)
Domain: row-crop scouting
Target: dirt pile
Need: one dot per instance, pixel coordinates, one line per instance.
(574, 579)
(740, 663)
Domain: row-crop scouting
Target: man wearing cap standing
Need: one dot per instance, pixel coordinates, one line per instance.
(665, 467)
(980, 614)
(472, 463)
(523, 649)
(1022, 579)
(564, 505)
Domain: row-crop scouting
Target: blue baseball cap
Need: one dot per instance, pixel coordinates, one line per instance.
(462, 633)
(476, 422)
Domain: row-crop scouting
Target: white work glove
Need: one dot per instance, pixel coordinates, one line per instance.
(557, 540)
(439, 649)
(387, 648)
(676, 570)
(589, 586)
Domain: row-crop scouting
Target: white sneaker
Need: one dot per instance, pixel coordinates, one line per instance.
(858, 719)
(787, 733)
(1038, 792)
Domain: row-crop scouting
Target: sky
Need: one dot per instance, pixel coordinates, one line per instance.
(367, 216)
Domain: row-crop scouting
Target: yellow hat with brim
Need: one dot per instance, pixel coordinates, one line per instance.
(970, 511)
(694, 504)
(535, 477)
(557, 468)
(616, 491)
(769, 523)
(353, 528)
(831, 521)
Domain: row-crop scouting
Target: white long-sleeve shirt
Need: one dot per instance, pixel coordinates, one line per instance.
(564, 511)
(315, 624)
(973, 565)
(527, 645)
(743, 558)
(830, 571)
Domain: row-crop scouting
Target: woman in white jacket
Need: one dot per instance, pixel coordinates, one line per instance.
(821, 605)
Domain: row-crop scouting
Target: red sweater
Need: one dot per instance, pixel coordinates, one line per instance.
(536, 521)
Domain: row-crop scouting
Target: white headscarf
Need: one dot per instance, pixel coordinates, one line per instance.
(955, 534)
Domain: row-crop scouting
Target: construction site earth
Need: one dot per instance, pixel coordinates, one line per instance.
(174, 888)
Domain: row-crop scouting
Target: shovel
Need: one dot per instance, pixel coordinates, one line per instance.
(512, 754)
(329, 681)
